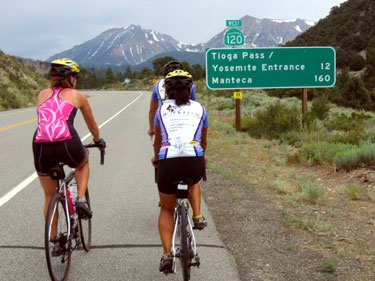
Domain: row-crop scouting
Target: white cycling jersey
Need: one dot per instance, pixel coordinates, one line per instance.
(181, 129)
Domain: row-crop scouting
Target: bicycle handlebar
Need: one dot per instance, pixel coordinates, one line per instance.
(102, 151)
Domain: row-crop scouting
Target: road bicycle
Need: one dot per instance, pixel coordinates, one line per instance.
(183, 229)
(73, 232)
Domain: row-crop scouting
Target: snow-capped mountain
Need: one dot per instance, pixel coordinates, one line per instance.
(133, 45)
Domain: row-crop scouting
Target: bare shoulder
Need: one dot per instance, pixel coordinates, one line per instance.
(44, 95)
(73, 96)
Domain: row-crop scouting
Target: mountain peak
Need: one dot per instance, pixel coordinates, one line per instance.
(132, 45)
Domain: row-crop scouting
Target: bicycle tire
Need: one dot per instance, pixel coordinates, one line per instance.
(184, 244)
(58, 254)
(85, 226)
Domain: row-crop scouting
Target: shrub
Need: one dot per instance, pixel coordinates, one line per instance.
(346, 122)
(312, 191)
(274, 120)
(353, 192)
(352, 158)
(320, 107)
(318, 152)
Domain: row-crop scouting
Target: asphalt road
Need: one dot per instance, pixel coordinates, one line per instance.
(126, 244)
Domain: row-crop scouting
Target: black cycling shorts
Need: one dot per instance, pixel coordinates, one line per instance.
(172, 170)
(49, 154)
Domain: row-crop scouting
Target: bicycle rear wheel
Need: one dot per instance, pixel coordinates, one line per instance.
(85, 226)
(184, 245)
(57, 239)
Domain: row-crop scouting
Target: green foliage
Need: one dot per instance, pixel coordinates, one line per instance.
(320, 107)
(329, 266)
(273, 121)
(353, 192)
(159, 64)
(329, 131)
(351, 29)
(352, 158)
(318, 152)
(312, 191)
(109, 76)
(347, 122)
(19, 85)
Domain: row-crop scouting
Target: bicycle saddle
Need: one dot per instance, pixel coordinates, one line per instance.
(57, 173)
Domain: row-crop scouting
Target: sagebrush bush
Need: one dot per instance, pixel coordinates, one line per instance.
(318, 152)
(320, 107)
(347, 122)
(352, 158)
(273, 121)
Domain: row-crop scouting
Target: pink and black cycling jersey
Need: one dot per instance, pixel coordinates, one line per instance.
(55, 119)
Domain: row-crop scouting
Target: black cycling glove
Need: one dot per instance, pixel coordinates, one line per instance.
(101, 143)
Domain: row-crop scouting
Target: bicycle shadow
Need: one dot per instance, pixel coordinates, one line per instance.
(111, 246)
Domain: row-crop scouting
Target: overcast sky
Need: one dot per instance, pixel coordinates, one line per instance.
(39, 29)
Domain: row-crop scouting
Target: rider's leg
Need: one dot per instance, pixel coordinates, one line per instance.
(82, 177)
(166, 220)
(49, 187)
(195, 198)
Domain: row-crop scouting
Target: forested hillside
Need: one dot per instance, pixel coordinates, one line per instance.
(351, 29)
(19, 84)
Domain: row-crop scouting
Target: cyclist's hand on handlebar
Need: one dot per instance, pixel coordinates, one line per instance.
(101, 144)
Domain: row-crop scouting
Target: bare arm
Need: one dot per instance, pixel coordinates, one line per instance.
(204, 142)
(151, 115)
(157, 145)
(89, 117)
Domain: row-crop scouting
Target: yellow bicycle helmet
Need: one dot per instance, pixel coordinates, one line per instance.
(64, 67)
(178, 79)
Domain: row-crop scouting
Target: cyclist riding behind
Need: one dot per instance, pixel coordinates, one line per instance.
(158, 96)
(55, 139)
(179, 152)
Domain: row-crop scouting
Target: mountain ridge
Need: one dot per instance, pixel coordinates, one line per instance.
(132, 45)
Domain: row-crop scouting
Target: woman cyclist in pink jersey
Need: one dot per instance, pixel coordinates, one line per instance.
(56, 139)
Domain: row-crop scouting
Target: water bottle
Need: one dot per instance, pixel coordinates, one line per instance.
(70, 202)
(73, 191)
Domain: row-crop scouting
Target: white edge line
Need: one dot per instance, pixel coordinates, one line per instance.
(10, 194)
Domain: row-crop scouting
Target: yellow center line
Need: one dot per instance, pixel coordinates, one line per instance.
(18, 124)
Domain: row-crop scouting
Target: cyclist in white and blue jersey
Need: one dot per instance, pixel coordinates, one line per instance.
(157, 98)
(179, 153)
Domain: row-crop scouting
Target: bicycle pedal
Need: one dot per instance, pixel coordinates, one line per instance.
(177, 255)
(196, 263)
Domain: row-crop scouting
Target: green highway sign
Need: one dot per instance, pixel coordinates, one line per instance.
(281, 67)
(234, 23)
(234, 37)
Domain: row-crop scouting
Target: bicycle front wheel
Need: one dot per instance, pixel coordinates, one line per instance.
(184, 244)
(57, 240)
(85, 226)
